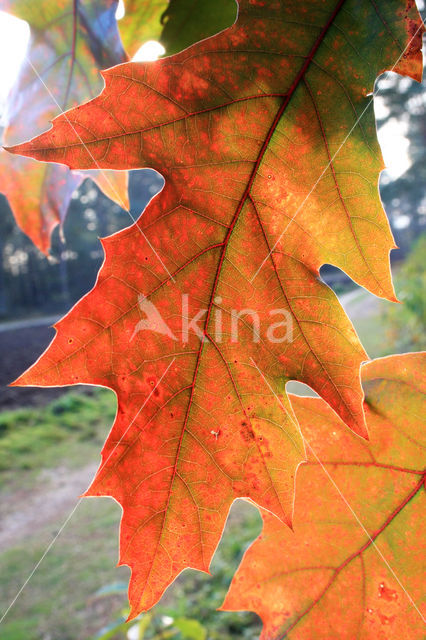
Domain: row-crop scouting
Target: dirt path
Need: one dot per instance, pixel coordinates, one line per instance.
(360, 303)
(23, 513)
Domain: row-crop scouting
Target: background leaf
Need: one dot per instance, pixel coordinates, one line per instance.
(67, 49)
(188, 21)
(141, 22)
(327, 579)
(175, 23)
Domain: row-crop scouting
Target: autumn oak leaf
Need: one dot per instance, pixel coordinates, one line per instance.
(334, 577)
(66, 51)
(263, 185)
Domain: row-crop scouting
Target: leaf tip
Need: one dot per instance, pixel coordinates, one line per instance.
(359, 426)
(133, 614)
(287, 519)
(22, 149)
(9, 149)
(20, 381)
(362, 432)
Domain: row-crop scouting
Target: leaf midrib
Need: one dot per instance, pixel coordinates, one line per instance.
(371, 541)
(243, 199)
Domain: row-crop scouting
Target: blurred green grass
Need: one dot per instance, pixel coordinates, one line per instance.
(34, 438)
(59, 602)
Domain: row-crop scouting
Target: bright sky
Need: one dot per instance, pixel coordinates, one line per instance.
(14, 34)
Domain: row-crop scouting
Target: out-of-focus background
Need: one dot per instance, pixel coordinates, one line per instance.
(50, 439)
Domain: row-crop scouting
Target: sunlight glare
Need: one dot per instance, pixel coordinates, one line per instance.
(14, 36)
(394, 145)
(121, 10)
(149, 51)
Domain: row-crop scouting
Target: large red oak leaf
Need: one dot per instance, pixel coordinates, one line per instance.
(69, 43)
(245, 127)
(353, 566)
